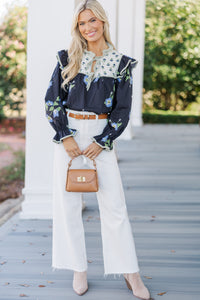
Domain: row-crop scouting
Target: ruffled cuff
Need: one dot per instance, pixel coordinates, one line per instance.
(62, 134)
(104, 142)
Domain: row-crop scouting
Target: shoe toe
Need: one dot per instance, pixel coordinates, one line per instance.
(81, 291)
(142, 294)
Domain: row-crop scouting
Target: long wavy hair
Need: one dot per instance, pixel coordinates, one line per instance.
(79, 43)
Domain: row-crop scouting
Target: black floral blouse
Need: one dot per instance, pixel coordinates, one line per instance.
(108, 89)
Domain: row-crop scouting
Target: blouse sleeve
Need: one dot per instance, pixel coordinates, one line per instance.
(120, 114)
(55, 111)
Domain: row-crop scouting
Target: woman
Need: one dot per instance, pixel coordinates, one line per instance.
(88, 103)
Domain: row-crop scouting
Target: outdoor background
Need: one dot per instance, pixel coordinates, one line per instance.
(171, 92)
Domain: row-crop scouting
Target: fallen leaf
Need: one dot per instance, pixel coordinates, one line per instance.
(7, 283)
(173, 251)
(90, 217)
(26, 285)
(90, 261)
(153, 216)
(147, 277)
(23, 261)
(160, 294)
(3, 262)
(50, 281)
(23, 295)
(41, 285)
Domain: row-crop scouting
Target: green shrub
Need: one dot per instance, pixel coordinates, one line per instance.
(170, 117)
(172, 54)
(13, 39)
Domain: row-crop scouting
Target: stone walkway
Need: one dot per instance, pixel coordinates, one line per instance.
(160, 171)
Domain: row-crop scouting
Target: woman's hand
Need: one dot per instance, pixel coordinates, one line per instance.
(71, 147)
(92, 151)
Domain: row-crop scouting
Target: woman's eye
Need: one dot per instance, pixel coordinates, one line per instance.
(91, 21)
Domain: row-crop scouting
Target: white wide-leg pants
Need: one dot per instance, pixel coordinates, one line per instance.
(68, 240)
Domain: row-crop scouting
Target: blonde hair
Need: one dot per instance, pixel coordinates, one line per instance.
(79, 43)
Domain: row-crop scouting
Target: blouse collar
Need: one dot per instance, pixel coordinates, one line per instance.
(105, 51)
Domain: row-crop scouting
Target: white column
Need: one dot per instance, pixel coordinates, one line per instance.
(49, 26)
(138, 52)
(131, 42)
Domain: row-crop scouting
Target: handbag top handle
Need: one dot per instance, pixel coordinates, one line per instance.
(70, 163)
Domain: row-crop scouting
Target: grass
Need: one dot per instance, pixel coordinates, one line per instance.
(16, 170)
(171, 117)
(4, 147)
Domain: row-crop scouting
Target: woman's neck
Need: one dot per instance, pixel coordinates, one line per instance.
(97, 47)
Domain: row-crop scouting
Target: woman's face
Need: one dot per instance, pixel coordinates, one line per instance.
(90, 27)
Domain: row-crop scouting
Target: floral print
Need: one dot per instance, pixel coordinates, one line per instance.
(108, 102)
(106, 65)
(116, 125)
(86, 79)
(123, 100)
(97, 78)
(105, 138)
(71, 86)
(106, 90)
(108, 145)
(55, 112)
(50, 84)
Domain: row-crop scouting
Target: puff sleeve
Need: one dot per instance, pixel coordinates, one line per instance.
(55, 111)
(122, 101)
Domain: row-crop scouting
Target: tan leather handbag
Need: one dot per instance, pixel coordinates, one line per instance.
(82, 180)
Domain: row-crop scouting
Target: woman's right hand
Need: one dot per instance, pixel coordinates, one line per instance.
(71, 147)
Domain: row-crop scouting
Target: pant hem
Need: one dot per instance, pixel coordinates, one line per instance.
(119, 274)
(68, 268)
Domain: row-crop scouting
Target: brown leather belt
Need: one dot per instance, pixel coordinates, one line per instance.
(87, 117)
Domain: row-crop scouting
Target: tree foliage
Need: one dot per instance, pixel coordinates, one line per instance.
(172, 53)
(13, 37)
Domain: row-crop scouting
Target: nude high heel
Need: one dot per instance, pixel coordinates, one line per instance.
(80, 284)
(139, 289)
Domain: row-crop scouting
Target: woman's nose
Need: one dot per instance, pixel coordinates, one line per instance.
(87, 28)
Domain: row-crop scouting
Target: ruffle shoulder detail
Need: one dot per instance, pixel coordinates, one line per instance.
(126, 62)
(62, 57)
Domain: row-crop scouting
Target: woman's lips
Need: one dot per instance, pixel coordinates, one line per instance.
(91, 33)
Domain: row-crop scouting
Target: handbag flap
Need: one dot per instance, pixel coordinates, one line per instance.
(82, 175)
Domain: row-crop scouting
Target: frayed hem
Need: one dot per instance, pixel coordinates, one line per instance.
(118, 275)
(67, 268)
(113, 274)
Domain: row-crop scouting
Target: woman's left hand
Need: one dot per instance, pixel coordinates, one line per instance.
(92, 151)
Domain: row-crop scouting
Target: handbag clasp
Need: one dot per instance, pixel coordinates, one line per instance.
(81, 179)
